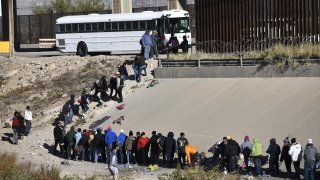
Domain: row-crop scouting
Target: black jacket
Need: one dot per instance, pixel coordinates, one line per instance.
(232, 148)
(154, 144)
(170, 144)
(57, 133)
(285, 153)
(274, 149)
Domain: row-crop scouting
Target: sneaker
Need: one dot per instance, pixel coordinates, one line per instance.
(130, 167)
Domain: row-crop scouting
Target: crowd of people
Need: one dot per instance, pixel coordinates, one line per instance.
(105, 146)
(150, 43)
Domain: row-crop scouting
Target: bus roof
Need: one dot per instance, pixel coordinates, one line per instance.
(146, 15)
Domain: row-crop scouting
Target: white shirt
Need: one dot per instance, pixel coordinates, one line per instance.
(28, 115)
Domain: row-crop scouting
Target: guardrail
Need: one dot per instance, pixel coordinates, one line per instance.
(227, 62)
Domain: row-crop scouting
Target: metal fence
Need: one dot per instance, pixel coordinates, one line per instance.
(245, 45)
(243, 25)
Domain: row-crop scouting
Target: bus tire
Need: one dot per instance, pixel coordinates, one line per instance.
(82, 49)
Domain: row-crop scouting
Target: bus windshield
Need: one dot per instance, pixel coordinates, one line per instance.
(178, 25)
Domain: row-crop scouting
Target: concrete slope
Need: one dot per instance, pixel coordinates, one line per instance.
(208, 109)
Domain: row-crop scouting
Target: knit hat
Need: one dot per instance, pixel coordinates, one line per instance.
(228, 137)
(309, 141)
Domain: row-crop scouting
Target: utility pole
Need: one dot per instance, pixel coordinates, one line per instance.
(11, 28)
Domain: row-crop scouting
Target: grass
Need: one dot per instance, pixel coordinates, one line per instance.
(198, 173)
(11, 169)
(277, 52)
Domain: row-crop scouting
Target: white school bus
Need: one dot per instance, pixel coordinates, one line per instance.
(97, 33)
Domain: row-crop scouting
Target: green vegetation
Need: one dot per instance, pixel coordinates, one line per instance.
(11, 169)
(68, 6)
(277, 52)
(198, 173)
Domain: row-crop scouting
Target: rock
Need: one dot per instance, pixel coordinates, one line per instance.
(10, 74)
(32, 80)
(64, 95)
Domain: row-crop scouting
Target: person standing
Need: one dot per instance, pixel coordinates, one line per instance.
(77, 147)
(161, 141)
(114, 162)
(170, 149)
(58, 138)
(143, 147)
(71, 142)
(120, 142)
(256, 154)
(246, 149)
(129, 148)
(184, 45)
(120, 85)
(182, 142)
(274, 151)
(113, 85)
(310, 156)
(15, 127)
(141, 66)
(296, 155)
(154, 47)
(110, 138)
(232, 154)
(146, 43)
(154, 149)
(28, 119)
(123, 71)
(285, 155)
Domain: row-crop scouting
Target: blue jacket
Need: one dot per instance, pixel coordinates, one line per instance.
(77, 137)
(146, 40)
(121, 138)
(110, 137)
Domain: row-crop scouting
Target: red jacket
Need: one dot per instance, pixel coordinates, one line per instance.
(142, 142)
(15, 122)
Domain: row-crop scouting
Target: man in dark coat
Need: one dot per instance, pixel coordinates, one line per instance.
(274, 151)
(232, 154)
(170, 149)
(154, 148)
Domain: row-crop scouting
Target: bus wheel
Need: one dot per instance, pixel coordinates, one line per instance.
(82, 49)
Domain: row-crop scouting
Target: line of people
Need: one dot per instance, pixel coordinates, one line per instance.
(227, 153)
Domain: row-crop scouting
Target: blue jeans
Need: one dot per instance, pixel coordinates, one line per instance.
(94, 154)
(309, 169)
(84, 107)
(129, 157)
(147, 51)
(257, 165)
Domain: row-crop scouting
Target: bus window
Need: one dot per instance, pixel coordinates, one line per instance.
(135, 25)
(94, 27)
(81, 27)
(178, 25)
(74, 27)
(101, 26)
(121, 25)
(62, 28)
(151, 25)
(143, 25)
(88, 27)
(128, 25)
(114, 25)
(108, 26)
(68, 27)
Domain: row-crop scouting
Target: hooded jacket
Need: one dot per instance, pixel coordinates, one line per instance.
(70, 136)
(310, 153)
(121, 138)
(294, 151)
(274, 149)
(256, 148)
(232, 149)
(170, 143)
(110, 137)
(129, 143)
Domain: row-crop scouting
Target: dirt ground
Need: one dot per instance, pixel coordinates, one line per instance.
(45, 83)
